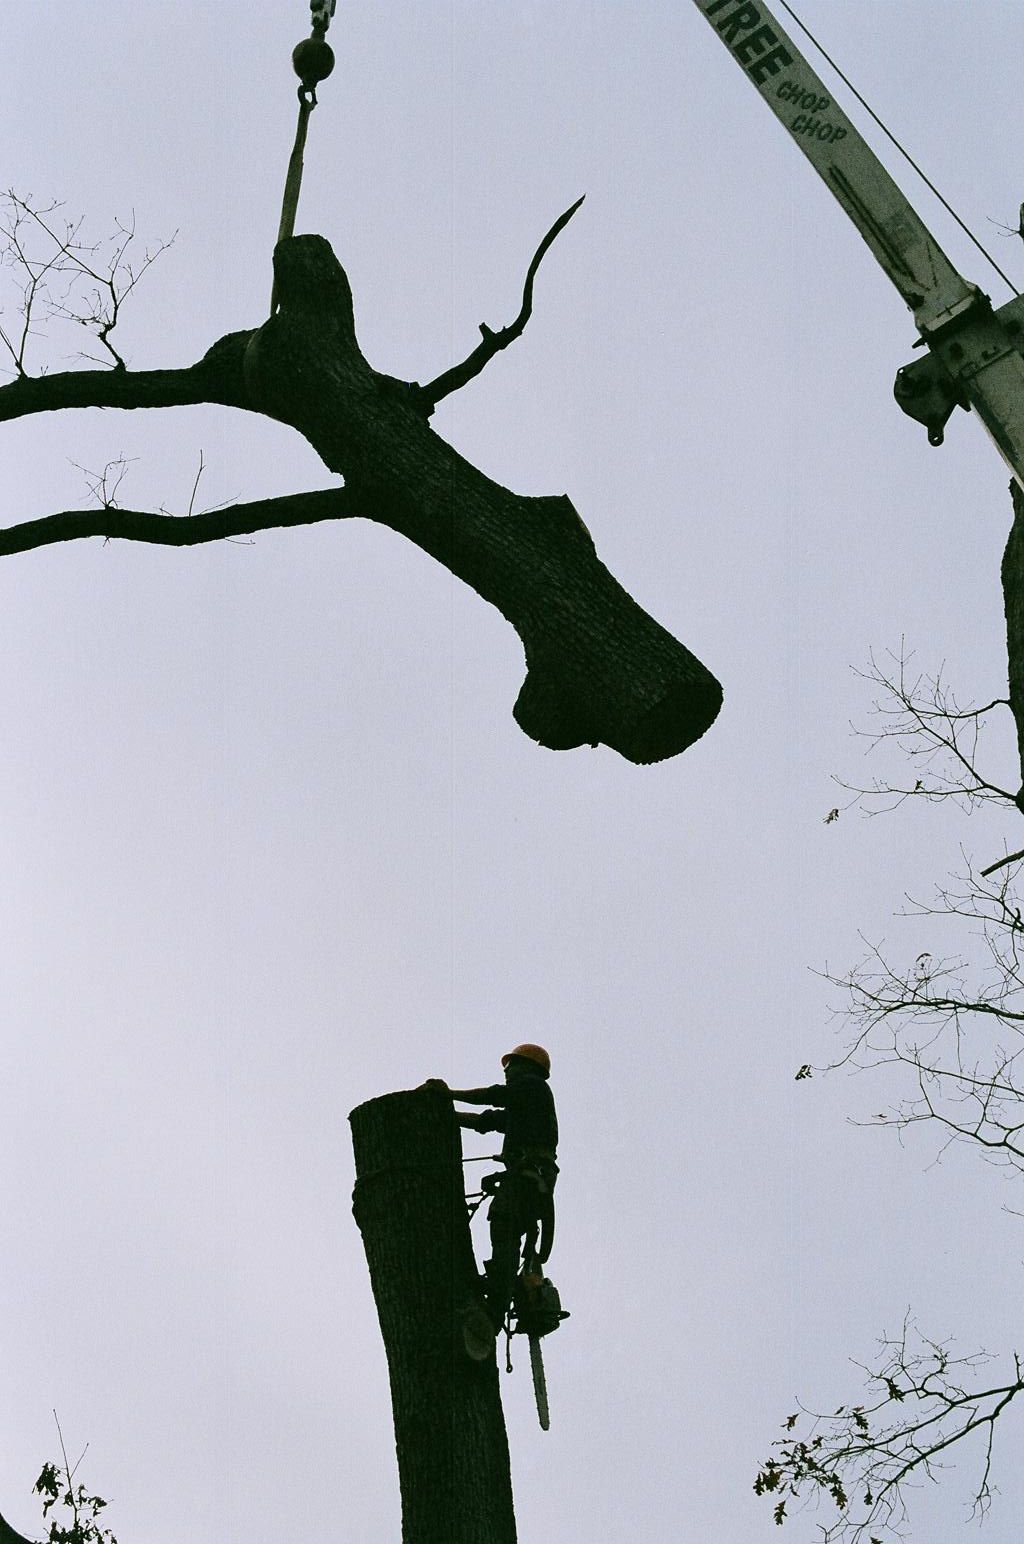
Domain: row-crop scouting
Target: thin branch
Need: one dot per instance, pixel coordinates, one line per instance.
(182, 531)
(70, 1498)
(492, 342)
(1002, 863)
(195, 485)
(862, 1456)
(106, 283)
(938, 738)
(955, 1024)
(104, 486)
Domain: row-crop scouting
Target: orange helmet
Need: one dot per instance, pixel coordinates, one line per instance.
(534, 1053)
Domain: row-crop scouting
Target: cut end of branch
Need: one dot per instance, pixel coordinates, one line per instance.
(561, 718)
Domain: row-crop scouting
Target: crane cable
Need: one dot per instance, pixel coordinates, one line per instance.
(904, 153)
(313, 61)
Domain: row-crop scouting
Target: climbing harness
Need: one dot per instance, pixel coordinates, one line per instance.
(476, 1198)
(539, 1171)
(536, 1308)
(313, 61)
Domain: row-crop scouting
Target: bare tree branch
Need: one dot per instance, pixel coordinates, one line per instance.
(921, 717)
(491, 342)
(862, 1457)
(216, 378)
(70, 279)
(953, 1023)
(182, 530)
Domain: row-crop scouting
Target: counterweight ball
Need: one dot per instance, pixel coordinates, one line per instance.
(313, 60)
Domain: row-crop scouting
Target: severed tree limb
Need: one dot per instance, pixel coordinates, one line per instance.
(492, 342)
(600, 670)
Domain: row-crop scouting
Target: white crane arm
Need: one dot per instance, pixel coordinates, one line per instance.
(851, 171)
(975, 358)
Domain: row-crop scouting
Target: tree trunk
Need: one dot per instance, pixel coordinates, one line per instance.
(1013, 603)
(450, 1437)
(9, 1535)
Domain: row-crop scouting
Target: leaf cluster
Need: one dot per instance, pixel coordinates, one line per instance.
(77, 1519)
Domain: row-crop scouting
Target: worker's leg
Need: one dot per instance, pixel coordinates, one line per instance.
(502, 1268)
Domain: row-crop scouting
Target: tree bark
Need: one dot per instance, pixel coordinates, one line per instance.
(9, 1535)
(450, 1436)
(600, 670)
(1013, 604)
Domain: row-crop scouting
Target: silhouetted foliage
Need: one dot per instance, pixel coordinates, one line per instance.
(948, 1025)
(77, 1510)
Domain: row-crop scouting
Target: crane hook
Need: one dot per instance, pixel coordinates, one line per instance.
(313, 58)
(313, 61)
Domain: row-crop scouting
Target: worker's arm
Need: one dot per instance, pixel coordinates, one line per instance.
(489, 1120)
(496, 1094)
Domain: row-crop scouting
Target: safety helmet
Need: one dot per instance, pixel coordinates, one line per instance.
(534, 1053)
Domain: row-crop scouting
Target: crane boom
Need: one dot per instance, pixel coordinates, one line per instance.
(975, 359)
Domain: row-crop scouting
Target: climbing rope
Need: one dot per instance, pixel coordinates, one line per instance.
(313, 61)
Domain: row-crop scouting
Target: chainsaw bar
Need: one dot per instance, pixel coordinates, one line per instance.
(540, 1387)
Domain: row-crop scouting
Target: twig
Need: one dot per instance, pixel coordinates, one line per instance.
(492, 342)
(71, 1499)
(108, 282)
(195, 485)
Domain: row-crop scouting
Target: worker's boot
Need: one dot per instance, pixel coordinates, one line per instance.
(478, 1334)
(498, 1285)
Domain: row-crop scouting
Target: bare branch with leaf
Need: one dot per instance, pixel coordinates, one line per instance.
(921, 1404)
(77, 1511)
(948, 1021)
(936, 736)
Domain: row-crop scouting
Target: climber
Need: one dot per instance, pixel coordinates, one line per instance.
(524, 1111)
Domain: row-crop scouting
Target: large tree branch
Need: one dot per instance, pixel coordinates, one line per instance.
(216, 378)
(599, 669)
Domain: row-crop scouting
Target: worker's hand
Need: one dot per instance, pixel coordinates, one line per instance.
(435, 1083)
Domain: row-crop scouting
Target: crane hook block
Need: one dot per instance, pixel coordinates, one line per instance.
(322, 11)
(928, 394)
(313, 61)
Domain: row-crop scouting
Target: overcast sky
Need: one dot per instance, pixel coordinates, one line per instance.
(273, 844)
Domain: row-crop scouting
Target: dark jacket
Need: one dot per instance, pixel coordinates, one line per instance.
(525, 1112)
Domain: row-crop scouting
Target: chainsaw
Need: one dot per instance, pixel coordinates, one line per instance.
(536, 1311)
